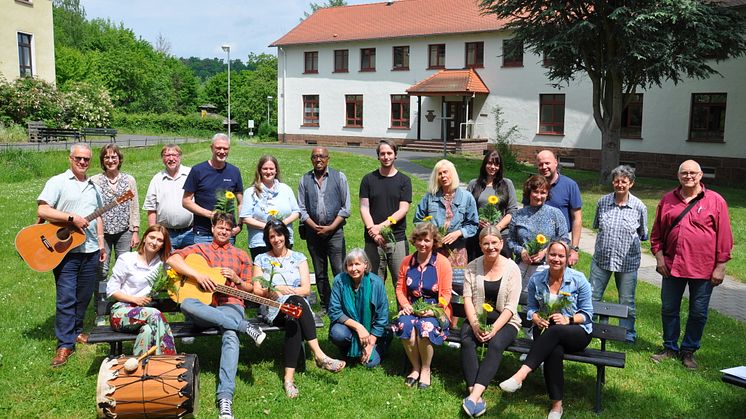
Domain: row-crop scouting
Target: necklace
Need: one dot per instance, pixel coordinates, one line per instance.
(113, 181)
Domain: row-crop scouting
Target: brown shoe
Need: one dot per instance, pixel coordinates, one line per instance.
(61, 357)
(82, 338)
(663, 355)
(687, 358)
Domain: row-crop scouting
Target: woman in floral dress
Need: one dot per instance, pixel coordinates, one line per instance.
(423, 276)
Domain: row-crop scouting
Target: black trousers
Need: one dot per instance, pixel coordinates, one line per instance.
(296, 330)
(549, 347)
(474, 373)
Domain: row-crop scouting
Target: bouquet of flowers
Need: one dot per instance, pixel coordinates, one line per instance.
(549, 306)
(225, 201)
(162, 282)
(388, 233)
(419, 307)
(534, 246)
(274, 214)
(441, 229)
(489, 212)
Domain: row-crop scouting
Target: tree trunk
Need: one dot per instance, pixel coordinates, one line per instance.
(610, 140)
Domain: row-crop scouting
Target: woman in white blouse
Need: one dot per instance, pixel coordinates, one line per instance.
(130, 286)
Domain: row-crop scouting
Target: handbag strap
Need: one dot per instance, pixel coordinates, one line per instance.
(681, 216)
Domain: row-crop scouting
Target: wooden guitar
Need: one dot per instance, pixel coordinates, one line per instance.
(185, 287)
(43, 246)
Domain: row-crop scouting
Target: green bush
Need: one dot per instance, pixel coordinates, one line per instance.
(11, 133)
(166, 123)
(267, 132)
(30, 99)
(86, 105)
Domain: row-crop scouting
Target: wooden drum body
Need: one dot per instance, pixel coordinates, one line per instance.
(161, 386)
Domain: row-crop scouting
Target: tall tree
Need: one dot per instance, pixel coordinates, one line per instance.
(623, 45)
(317, 6)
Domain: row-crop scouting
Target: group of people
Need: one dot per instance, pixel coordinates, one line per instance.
(457, 250)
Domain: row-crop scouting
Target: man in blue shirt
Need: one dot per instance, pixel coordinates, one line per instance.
(565, 196)
(205, 180)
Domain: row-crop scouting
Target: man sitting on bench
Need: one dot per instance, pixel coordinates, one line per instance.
(225, 312)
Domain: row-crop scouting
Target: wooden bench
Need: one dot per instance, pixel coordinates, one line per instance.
(99, 132)
(58, 134)
(33, 130)
(602, 330)
(104, 333)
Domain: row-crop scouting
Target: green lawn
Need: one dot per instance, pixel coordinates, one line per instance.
(30, 388)
(649, 190)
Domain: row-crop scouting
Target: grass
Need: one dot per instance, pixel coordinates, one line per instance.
(649, 190)
(30, 388)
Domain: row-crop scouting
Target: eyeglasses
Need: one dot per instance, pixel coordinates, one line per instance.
(81, 159)
(112, 158)
(172, 155)
(319, 157)
(689, 174)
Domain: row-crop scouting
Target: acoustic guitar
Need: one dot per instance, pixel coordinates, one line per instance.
(43, 246)
(185, 287)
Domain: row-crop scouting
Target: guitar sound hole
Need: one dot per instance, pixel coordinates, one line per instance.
(63, 234)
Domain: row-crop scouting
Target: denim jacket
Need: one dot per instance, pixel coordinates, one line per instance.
(465, 217)
(574, 283)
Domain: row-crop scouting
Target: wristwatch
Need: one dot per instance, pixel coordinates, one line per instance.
(575, 248)
(70, 218)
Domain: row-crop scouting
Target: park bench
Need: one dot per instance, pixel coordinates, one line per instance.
(33, 130)
(104, 333)
(58, 134)
(603, 331)
(99, 132)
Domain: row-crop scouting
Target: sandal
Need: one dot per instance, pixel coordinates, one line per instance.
(291, 390)
(330, 364)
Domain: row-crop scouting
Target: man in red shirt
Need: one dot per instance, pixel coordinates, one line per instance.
(692, 242)
(225, 312)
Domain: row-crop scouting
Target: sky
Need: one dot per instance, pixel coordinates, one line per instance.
(199, 28)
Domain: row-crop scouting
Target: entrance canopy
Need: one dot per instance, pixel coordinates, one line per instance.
(450, 83)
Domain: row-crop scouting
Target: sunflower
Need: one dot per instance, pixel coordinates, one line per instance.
(273, 212)
(442, 301)
(488, 308)
(541, 239)
(229, 195)
(493, 199)
(564, 293)
(392, 220)
(428, 218)
(275, 264)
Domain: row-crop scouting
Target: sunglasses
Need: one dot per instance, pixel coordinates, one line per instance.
(81, 159)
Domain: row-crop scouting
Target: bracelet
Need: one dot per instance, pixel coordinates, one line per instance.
(572, 319)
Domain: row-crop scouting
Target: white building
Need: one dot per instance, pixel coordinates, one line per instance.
(26, 39)
(351, 75)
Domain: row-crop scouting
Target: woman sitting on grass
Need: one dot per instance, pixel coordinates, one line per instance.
(492, 287)
(130, 286)
(288, 281)
(559, 305)
(359, 311)
(424, 280)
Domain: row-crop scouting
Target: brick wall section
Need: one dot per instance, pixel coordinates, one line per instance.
(728, 171)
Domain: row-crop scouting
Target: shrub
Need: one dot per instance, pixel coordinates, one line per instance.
(86, 105)
(167, 123)
(30, 99)
(267, 132)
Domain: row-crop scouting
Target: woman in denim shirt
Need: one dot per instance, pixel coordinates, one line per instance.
(568, 330)
(452, 209)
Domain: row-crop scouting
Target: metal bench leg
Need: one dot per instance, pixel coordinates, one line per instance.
(600, 380)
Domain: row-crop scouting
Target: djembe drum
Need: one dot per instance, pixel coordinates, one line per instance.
(161, 386)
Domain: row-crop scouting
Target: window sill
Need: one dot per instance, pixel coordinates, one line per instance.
(439, 67)
(309, 125)
(400, 128)
(367, 70)
(553, 134)
(630, 137)
(474, 66)
(706, 140)
(400, 69)
(353, 126)
(512, 65)
(341, 71)
(311, 72)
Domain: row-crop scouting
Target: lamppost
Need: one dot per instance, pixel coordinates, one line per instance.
(269, 100)
(227, 48)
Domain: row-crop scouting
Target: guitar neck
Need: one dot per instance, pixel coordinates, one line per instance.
(119, 200)
(224, 289)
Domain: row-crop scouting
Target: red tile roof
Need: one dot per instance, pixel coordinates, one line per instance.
(402, 18)
(450, 82)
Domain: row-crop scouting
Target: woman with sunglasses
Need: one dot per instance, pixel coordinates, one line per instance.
(286, 279)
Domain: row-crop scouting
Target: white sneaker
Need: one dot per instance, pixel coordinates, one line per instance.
(553, 414)
(523, 357)
(510, 385)
(255, 333)
(225, 408)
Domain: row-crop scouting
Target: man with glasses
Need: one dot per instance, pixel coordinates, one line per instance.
(324, 201)
(68, 198)
(163, 200)
(692, 242)
(203, 183)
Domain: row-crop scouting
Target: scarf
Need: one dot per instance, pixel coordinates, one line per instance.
(358, 310)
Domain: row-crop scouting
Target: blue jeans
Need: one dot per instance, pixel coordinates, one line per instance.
(75, 278)
(230, 319)
(342, 336)
(626, 284)
(181, 238)
(321, 249)
(672, 291)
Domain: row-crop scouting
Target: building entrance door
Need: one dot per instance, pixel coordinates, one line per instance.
(455, 113)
